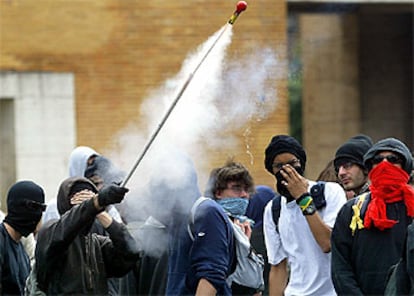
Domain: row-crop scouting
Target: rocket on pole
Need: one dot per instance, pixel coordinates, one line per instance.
(240, 7)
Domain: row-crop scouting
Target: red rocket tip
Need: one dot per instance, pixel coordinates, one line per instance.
(241, 6)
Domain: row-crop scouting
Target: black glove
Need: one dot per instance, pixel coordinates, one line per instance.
(111, 194)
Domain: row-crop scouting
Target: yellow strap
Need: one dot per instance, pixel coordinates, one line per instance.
(356, 220)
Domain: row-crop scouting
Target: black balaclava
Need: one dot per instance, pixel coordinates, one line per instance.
(25, 204)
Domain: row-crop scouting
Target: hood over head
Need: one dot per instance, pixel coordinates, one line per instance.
(78, 160)
(393, 145)
(69, 187)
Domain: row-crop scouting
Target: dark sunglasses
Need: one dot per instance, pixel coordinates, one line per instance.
(390, 158)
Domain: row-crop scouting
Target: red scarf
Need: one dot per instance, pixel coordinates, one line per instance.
(388, 185)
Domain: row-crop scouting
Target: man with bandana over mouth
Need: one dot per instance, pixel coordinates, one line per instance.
(211, 255)
(298, 247)
(363, 252)
(25, 204)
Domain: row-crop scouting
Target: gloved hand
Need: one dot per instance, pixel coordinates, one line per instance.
(111, 194)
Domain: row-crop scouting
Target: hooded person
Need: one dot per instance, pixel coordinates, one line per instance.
(349, 163)
(373, 220)
(86, 162)
(67, 249)
(301, 235)
(25, 204)
(78, 162)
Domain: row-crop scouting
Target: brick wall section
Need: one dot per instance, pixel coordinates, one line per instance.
(120, 50)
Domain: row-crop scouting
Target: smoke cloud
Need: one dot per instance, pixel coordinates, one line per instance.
(222, 96)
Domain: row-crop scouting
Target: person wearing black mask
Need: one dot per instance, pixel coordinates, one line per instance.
(25, 204)
(301, 236)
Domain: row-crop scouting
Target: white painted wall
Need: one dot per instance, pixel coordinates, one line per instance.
(45, 131)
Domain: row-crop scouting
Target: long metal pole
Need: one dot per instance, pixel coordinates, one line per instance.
(241, 6)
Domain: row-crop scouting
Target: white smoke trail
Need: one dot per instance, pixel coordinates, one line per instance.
(221, 97)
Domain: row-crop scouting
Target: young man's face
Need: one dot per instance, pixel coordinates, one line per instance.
(351, 176)
(234, 189)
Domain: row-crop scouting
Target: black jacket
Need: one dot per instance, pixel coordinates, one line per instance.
(360, 262)
(71, 260)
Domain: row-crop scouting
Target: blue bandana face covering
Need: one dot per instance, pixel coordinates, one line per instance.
(236, 206)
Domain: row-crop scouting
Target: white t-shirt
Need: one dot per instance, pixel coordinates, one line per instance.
(310, 267)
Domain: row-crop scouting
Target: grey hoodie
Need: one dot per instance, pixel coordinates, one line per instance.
(394, 145)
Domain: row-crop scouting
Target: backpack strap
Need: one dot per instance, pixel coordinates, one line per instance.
(192, 215)
(317, 192)
(359, 207)
(276, 210)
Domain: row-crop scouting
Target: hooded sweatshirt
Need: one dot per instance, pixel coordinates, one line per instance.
(72, 260)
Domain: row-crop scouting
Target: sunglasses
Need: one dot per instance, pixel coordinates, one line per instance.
(390, 158)
(35, 205)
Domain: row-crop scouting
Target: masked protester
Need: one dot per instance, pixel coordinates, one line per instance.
(70, 259)
(25, 204)
(299, 239)
(370, 231)
(209, 257)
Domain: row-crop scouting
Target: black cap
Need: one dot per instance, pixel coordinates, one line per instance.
(282, 144)
(353, 151)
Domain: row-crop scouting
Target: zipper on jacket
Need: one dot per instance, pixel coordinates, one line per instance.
(89, 280)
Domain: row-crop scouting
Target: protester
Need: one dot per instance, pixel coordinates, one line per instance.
(210, 257)
(257, 203)
(158, 220)
(370, 231)
(79, 159)
(86, 162)
(25, 204)
(298, 243)
(349, 164)
(70, 259)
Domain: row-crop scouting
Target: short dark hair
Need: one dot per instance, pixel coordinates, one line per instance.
(231, 172)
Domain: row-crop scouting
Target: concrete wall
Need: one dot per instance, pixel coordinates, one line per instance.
(357, 77)
(40, 131)
(331, 100)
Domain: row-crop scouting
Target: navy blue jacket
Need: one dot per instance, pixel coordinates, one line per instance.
(209, 256)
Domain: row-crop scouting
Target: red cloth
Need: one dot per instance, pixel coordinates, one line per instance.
(388, 185)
